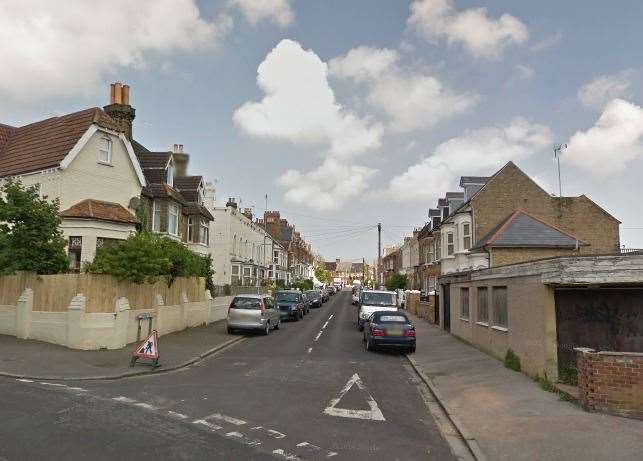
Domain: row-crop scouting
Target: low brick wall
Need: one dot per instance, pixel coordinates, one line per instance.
(426, 309)
(611, 382)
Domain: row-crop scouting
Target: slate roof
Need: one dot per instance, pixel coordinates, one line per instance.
(101, 211)
(188, 186)
(163, 190)
(473, 180)
(196, 208)
(46, 143)
(521, 229)
(434, 212)
(155, 160)
(330, 266)
(455, 195)
(442, 202)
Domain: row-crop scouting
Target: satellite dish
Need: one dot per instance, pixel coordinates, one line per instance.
(134, 203)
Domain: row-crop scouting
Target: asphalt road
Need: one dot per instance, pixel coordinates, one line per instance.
(308, 391)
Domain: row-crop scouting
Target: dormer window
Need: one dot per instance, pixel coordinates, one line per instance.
(170, 174)
(105, 150)
(201, 195)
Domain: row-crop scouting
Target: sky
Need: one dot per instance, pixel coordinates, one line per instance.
(346, 113)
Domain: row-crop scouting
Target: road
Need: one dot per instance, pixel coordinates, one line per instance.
(308, 391)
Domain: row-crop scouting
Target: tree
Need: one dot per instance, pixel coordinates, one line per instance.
(323, 275)
(30, 235)
(396, 281)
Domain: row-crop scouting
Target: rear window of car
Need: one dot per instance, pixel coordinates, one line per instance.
(288, 297)
(392, 319)
(246, 303)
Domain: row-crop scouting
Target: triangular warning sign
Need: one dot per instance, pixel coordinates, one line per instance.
(374, 413)
(148, 349)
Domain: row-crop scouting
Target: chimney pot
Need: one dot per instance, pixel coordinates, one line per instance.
(112, 93)
(181, 148)
(125, 95)
(118, 96)
(175, 148)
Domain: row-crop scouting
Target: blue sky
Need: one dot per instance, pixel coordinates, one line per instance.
(351, 139)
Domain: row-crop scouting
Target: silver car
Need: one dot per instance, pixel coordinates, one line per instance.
(253, 312)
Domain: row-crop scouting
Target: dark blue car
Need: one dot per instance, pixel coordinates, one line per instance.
(386, 329)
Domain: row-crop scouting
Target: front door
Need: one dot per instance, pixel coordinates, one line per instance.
(446, 294)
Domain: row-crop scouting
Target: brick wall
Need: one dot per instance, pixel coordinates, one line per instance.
(611, 382)
(505, 256)
(512, 189)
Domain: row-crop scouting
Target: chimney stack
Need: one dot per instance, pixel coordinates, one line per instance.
(181, 160)
(119, 108)
(232, 203)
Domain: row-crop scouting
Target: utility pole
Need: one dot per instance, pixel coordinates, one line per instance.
(363, 270)
(379, 249)
(558, 148)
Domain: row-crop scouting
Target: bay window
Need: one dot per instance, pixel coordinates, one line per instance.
(173, 219)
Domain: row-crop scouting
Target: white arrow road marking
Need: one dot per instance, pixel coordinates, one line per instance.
(211, 426)
(374, 414)
(227, 419)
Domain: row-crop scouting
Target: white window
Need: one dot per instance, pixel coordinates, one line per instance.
(105, 150)
(191, 229)
(156, 216)
(234, 245)
(275, 257)
(466, 236)
(235, 270)
(173, 219)
(450, 247)
(204, 235)
(170, 174)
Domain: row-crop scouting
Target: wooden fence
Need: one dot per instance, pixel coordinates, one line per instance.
(53, 293)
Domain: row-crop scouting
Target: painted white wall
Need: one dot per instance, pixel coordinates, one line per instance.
(91, 230)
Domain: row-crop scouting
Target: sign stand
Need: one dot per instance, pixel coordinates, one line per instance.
(148, 349)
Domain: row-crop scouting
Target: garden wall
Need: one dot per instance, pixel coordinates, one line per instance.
(88, 311)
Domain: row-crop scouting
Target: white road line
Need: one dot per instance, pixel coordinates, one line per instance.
(331, 316)
(53, 384)
(211, 426)
(147, 406)
(236, 435)
(80, 389)
(331, 454)
(325, 325)
(318, 335)
(25, 380)
(276, 434)
(227, 419)
(374, 414)
(174, 414)
(310, 349)
(309, 446)
(285, 455)
(123, 399)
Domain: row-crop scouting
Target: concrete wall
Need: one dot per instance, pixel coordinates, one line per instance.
(530, 331)
(505, 256)
(30, 318)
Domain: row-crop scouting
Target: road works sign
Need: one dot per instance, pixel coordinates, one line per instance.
(148, 349)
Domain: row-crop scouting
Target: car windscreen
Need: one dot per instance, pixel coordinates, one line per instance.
(391, 319)
(287, 297)
(246, 303)
(378, 299)
(313, 294)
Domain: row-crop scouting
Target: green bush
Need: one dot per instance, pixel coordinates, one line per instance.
(512, 361)
(569, 375)
(281, 283)
(302, 285)
(396, 281)
(145, 257)
(227, 291)
(546, 384)
(30, 235)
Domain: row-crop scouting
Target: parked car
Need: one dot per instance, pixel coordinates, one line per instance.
(385, 329)
(371, 301)
(314, 297)
(291, 304)
(332, 290)
(325, 295)
(306, 302)
(401, 297)
(357, 289)
(253, 312)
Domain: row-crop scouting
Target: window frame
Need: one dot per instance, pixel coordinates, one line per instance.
(110, 144)
(169, 174)
(450, 245)
(466, 235)
(479, 297)
(191, 229)
(497, 310)
(170, 215)
(204, 231)
(465, 304)
(156, 216)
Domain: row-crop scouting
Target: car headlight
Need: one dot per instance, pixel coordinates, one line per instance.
(364, 315)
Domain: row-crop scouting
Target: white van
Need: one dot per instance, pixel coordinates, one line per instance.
(373, 301)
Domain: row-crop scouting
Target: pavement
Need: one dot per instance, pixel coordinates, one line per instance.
(508, 416)
(44, 361)
(309, 391)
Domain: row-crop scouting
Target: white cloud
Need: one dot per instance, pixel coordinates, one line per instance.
(328, 187)
(255, 11)
(547, 42)
(63, 50)
(480, 151)
(525, 72)
(611, 143)
(363, 63)
(299, 105)
(605, 88)
(482, 36)
(410, 99)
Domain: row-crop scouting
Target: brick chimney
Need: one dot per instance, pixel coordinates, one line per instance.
(119, 108)
(181, 160)
(232, 203)
(247, 212)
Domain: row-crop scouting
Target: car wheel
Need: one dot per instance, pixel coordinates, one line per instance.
(411, 349)
(230, 330)
(296, 317)
(301, 314)
(278, 326)
(266, 330)
(369, 346)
